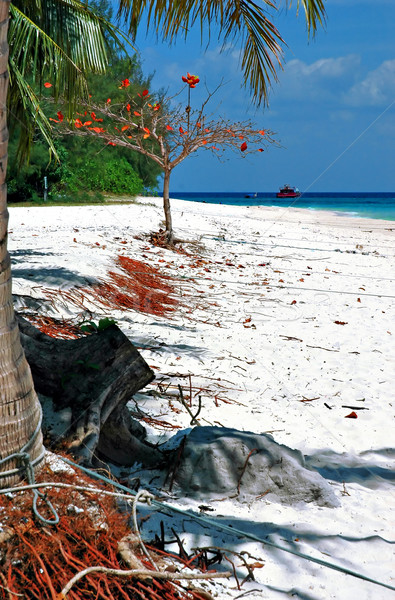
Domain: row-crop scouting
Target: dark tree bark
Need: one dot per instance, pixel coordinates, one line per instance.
(166, 206)
(95, 376)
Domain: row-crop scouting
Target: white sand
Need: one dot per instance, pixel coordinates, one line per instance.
(258, 330)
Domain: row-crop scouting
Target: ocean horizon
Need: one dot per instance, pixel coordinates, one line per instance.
(373, 205)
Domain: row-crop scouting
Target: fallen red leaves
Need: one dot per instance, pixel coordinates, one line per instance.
(138, 286)
(352, 415)
(57, 328)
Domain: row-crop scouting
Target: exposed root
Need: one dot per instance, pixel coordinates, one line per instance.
(81, 556)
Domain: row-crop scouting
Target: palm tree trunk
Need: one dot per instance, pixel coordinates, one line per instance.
(166, 206)
(20, 411)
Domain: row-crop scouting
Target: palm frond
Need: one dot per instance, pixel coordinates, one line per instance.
(314, 13)
(245, 20)
(261, 47)
(24, 108)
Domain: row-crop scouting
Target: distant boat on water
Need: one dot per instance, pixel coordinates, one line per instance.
(288, 192)
(251, 195)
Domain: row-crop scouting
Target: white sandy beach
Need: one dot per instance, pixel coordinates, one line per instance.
(286, 327)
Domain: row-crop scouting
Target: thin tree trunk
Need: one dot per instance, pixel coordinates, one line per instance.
(166, 206)
(20, 411)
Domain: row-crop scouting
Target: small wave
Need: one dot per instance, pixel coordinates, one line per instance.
(346, 213)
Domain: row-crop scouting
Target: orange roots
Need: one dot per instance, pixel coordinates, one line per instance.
(38, 561)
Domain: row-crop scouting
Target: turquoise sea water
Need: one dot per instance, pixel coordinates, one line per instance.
(374, 205)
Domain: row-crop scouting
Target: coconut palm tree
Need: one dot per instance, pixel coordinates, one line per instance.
(63, 41)
(63, 38)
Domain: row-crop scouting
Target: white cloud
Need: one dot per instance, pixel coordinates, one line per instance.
(326, 77)
(323, 68)
(377, 89)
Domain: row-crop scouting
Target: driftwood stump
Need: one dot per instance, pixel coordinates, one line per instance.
(94, 376)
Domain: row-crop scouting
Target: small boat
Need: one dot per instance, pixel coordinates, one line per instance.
(288, 192)
(251, 195)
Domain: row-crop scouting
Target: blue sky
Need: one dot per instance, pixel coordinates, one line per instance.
(333, 109)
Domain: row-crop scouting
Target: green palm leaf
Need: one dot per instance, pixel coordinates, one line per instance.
(247, 21)
(27, 112)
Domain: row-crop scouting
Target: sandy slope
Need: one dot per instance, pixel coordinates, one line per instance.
(287, 327)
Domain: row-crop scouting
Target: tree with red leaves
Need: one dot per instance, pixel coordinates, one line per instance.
(165, 133)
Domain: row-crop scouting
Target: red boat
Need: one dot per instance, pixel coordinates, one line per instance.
(288, 192)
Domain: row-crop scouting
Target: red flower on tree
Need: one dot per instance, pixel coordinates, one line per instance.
(125, 83)
(191, 80)
(60, 117)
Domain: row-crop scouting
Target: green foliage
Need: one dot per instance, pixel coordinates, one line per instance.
(55, 42)
(92, 327)
(114, 175)
(86, 165)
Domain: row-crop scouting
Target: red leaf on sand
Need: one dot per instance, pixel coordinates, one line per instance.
(341, 322)
(257, 565)
(293, 302)
(243, 146)
(352, 415)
